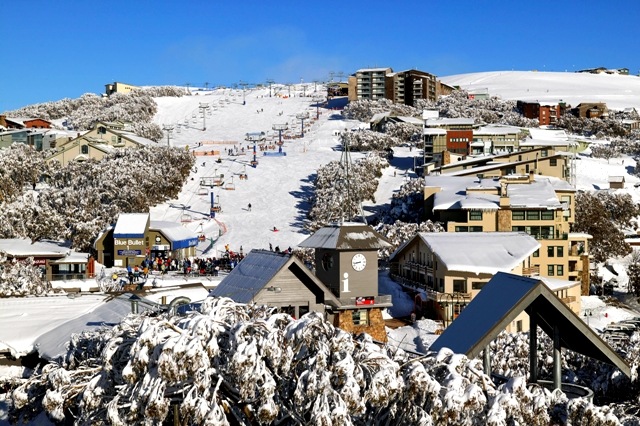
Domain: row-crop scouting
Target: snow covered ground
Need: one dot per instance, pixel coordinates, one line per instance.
(618, 91)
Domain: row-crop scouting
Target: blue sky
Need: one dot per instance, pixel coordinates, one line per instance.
(62, 49)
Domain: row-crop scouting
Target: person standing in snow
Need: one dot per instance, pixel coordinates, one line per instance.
(249, 206)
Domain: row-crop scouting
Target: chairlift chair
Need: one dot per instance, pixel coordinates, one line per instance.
(203, 191)
(186, 218)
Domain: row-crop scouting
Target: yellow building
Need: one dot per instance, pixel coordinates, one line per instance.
(116, 87)
(541, 206)
(452, 268)
(540, 161)
(103, 139)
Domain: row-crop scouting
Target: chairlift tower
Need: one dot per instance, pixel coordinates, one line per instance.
(270, 81)
(302, 116)
(280, 128)
(255, 137)
(203, 110)
(244, 85)
(317, 100)
(343, 186)
(167, 129)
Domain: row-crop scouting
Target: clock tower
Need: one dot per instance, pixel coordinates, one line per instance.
(346, 257)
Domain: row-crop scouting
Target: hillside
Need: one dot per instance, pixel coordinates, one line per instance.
(618, 91)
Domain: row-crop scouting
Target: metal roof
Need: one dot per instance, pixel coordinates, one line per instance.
(346, 236)
(501, 300)
(257, 270)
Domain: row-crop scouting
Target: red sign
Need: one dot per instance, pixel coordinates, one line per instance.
(368, 300)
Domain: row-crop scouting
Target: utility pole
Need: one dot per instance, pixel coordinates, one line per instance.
(270, 82)
(315, 85)
(188, 84)
(167, 128)
(203, 110)
(206, 85)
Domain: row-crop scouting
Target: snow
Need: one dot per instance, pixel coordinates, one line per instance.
(617, 91)
(131, 225)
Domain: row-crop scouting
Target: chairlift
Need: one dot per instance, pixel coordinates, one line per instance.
(203, 191)
(230, 186)
(186, 218)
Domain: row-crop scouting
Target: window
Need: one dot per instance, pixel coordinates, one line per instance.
(477, 285)
(519, 326)
(475, 229)
(544, 153)
(547, 215)
(560, 251)
(560, 270)
(462, 229)
(533, 215)
(553, 162)
(517, 215)
(550, 251)
(519, 228)
(84, 149)
(360, 317)
(475, 215)
(536, 253)
(550, 270)
(459, 286)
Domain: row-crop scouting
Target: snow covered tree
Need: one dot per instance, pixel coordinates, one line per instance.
(21, 278)
(633, 271)
(593, 217)
(248, 364)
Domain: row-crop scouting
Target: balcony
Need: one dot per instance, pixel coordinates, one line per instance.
(532, 271)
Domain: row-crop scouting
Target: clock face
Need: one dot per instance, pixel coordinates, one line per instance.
(358, 262)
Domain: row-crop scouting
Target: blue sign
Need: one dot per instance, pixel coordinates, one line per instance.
(129, 252)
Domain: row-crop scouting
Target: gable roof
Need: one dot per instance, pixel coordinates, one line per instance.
(257, 270)
(478, 252)
(346, 236)
(501, 300)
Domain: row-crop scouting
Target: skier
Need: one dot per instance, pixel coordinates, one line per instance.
(249, 206)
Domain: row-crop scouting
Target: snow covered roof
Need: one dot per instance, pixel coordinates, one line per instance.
(547, 134)
(435, 122)
(72, 257)
(379, 116)
(455, 191)
(135, 138)
(23, 247)
(346, 236)
(411, 120)
(53, 343)
(454, 194)
(131, 225)
(528, 142)
(433, 131)
(496, 130)
(540, 193)
(480, 252)
(64, 315)
(176, 233)
(501, 300)
(556, 284)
